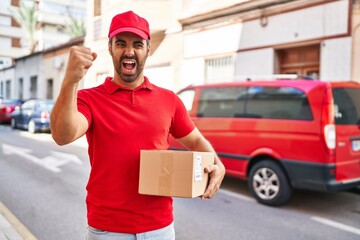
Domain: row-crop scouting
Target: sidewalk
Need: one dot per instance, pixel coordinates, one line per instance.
(11, 228)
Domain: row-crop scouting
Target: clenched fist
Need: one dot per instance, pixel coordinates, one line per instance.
(80, 60)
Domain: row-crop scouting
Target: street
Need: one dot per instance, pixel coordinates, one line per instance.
(44, 187)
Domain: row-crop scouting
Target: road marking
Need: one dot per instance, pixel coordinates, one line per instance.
(237, 195)
(46, 137)
(52, 162)
(10, 221)
(336, 225)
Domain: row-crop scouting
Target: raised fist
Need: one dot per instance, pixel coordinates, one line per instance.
(80, 60)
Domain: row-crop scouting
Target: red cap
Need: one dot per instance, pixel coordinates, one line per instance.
(129, 22)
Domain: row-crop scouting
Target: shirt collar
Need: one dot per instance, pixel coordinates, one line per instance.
(112, 87)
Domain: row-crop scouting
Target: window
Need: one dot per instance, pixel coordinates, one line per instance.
(97, 29)
(97, 8)
(28, 105)
(20, 88)
(1, 89)
(8, 88)
(49, 89)
(222, 102)
(187, 97)
(44, 105)
(347, 105)
(304, 61)
(220, 69)
(33, 87)
(278, 103)
(255, 102)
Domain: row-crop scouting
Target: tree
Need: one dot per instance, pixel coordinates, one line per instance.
(76, 27)
(27, 18)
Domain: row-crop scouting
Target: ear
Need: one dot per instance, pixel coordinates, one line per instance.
(148, 50)
(109, 46)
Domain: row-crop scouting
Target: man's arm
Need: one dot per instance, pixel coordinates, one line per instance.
(67, 124)
(195, 141)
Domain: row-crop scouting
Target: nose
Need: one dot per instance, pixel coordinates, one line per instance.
(129, 51)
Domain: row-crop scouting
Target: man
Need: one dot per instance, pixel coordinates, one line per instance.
(120, 117)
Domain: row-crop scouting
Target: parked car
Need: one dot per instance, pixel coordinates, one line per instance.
(33, 115)
(7, 106)
(282, 134)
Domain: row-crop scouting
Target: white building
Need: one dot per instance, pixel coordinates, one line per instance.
(205, 41)
(319, 38)
(28, 75)
(37, 75)
(7, 88)
(54, 16)
(219, 41)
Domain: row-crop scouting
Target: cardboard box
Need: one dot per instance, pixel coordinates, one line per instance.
(174, 173)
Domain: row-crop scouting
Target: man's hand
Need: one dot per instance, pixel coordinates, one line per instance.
(217, 173)
(195, 141)
(80, 60)
(67, 124)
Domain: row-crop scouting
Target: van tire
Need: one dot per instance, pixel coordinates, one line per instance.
(269, 184)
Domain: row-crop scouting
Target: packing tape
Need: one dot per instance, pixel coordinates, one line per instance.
(166, 172)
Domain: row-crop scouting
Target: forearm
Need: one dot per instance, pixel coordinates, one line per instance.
(67, 124)
(196, 142)
(66, 121)
(203, 145)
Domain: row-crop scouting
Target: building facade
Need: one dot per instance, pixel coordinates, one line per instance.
(38, 75)
(51, 30)
(253, 38)
(207, 41)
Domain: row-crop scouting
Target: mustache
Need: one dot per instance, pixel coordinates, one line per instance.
(129, 57)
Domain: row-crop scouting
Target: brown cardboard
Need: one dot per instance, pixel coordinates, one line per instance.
(174, 173)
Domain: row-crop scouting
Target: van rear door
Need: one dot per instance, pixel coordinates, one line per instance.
(347, 120)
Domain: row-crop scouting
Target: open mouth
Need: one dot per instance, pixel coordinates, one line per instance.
(129, 65)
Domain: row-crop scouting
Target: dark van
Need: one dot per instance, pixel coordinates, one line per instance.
(281, 134)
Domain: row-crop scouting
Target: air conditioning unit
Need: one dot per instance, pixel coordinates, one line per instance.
(58, 62)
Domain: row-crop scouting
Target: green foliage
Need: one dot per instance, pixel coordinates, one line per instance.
(76, 27)
(26, 15)
(27, 18)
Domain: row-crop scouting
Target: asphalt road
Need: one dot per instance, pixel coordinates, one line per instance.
(44, 187)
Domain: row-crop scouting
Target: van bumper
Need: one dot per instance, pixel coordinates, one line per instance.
(316, 176)
(344, 185)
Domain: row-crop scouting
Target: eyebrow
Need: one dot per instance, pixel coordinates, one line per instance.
(135, 42)
(139, 41)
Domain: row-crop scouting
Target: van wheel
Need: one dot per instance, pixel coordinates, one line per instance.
(269, 184)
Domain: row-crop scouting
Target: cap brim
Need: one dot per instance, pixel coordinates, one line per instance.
(129, 29)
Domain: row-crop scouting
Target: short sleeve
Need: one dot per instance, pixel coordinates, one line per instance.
(182, 124)
(83, 105)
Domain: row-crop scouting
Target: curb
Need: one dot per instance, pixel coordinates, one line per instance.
(11, 228)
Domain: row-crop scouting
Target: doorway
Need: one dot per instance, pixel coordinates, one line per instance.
(303, 61)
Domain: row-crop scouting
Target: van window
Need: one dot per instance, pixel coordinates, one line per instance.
(222, 102)
(347, 106)
(278, 103)
(255, 102)
(187, 97)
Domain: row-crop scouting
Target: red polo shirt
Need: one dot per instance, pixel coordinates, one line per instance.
(121, 123)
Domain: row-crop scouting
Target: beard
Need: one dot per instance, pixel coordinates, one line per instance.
(129, 78)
